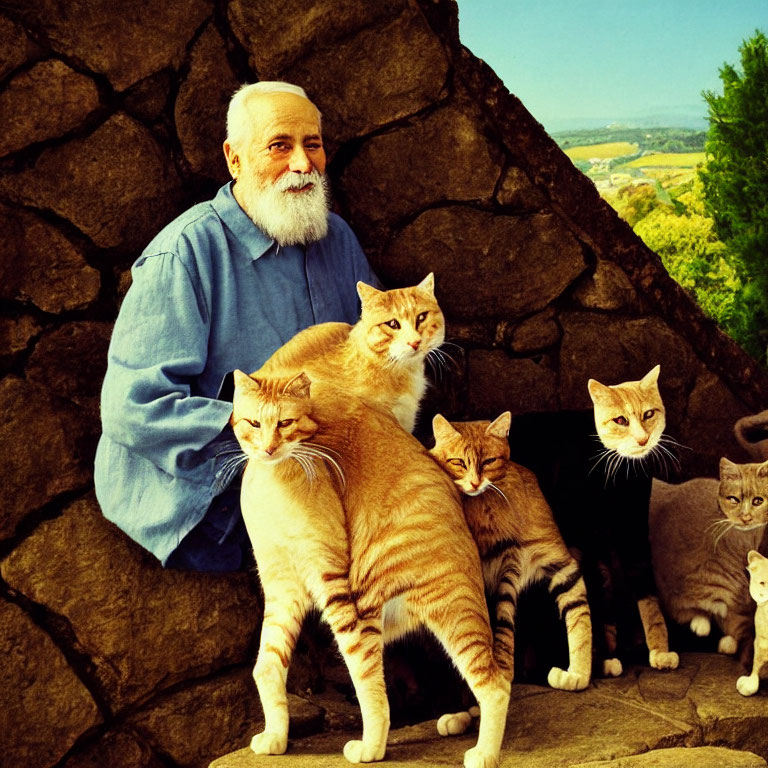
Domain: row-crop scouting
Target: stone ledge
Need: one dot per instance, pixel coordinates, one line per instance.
(691, 716)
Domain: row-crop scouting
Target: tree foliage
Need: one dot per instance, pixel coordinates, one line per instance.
(735, 179)
(685, 239)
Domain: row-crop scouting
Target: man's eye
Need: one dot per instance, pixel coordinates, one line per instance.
(285, 423)
(621, 421)
(278, 146)
(314, 147)
(393, 324)
(457, 463)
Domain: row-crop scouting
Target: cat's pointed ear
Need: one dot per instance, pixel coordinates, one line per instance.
(762, 470)
(499, 427)
(367, 292)
(298, 386)
(729, 470)
(753, 559)
(428, 284)
(442, 429)
(599, 393)
(244, 381)
(651, 379)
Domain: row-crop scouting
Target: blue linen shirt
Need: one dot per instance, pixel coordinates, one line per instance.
(210, 293)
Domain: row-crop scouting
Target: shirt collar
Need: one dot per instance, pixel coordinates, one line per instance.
(239, 223)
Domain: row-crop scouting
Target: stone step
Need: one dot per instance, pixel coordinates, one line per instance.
(689, 717)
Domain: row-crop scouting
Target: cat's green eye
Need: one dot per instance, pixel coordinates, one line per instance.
(393, 324)
(621, 421)
(255, 424)
(285, 423)
(457, 463)
(757, 501)
(421, 318)
(649, 414)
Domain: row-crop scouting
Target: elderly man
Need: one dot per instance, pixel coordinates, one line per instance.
(221, 287)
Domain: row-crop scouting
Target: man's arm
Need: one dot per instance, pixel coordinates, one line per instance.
(158, 348)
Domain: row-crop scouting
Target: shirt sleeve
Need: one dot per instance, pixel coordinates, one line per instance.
(158, 347)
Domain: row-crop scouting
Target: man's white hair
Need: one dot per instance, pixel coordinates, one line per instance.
(239, 119)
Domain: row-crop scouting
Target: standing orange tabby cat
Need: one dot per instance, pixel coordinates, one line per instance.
(346, 511)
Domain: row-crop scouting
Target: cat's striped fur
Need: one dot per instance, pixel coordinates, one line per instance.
(348, 512)
(518, 540)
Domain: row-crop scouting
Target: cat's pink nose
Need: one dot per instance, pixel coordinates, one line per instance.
(269, 451)
(414, 345)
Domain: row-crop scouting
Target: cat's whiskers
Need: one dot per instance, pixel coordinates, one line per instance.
(306, 463)
(601, 457)
(311, 451)
(440, 361)
(725, 526)
(661, 448)
(499, 491)
(436, 359)
(230, 467)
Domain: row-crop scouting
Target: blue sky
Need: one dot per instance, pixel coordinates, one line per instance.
(608, 59)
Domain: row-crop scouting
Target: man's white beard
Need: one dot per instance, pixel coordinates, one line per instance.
(290, 218)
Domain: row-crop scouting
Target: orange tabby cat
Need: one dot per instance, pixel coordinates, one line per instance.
(518, 540)
(379, 359)
(346, 511)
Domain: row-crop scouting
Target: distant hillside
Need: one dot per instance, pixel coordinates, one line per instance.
(691, 116)
(646, 139)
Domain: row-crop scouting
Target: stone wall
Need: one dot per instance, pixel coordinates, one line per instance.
(113, 115)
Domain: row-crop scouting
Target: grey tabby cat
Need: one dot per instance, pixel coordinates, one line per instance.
(701, 532)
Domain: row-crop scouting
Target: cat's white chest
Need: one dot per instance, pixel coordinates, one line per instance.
(406, 406)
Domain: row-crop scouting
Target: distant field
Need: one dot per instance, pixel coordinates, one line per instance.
(602, 151)
(669, 160)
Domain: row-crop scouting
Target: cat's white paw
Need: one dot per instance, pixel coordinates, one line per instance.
(701, 626)
(359, 752)
(454, 724)
(612, 668)
(747, 685)
(475, 758)
(268, 743)
(663, 659)
(727, 645)
(565, 680)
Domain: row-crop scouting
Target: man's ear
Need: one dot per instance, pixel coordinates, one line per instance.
(233, 160)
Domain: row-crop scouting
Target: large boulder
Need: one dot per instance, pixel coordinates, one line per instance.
(144, 628)
(120, 185)
(46, 707)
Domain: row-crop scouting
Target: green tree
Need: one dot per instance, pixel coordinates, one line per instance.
(735, 179)
(693, 255)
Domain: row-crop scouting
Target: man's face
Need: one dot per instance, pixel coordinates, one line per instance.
(279, 168)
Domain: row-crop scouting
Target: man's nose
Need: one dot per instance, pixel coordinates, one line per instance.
(299, 161)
